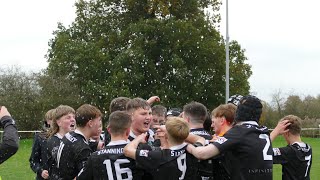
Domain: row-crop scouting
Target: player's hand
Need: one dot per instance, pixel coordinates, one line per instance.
(153, 99)
(160, 128)
(142, 138)
(4, 112)
(100, 145)
(45, 174)
(282, 127)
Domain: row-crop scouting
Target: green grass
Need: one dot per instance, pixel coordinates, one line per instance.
(17, 167)
(314, 143)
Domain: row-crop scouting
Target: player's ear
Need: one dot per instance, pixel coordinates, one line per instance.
(128, 131)
(90, 123)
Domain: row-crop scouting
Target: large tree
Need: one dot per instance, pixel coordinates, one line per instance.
(141, 48)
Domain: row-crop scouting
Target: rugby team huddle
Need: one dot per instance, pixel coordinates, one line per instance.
(146, 142)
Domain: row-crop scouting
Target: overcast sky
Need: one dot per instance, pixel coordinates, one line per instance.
(281, 39)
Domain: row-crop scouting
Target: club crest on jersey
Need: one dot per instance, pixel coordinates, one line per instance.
(276, 152)
(221, 140)
(143, 153)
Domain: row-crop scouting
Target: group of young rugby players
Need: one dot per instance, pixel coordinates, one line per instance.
(146, 142)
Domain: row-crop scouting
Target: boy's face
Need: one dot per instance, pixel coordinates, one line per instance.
(216, 124)
(96, 126)
(141, 119)
(67, 122)
(157, 120)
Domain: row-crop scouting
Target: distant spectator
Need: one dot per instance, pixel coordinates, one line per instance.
(38, 157)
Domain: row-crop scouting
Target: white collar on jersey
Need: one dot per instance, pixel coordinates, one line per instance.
(301, 144)
(59, 135)
(149, 131)
(178, 146)
(79, 132)
(248, 122)
(112, 143)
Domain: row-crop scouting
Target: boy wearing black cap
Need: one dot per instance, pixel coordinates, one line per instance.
(249, 144)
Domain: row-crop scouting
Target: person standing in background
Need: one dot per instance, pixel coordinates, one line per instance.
(38, 157)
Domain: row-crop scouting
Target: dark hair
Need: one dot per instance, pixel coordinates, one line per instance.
(137, 103)
(119, 122)
(85, 113)
(159, 110)
(249, 109)
(118, 104)
(196, 111)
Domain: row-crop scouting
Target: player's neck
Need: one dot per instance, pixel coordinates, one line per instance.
(224, 130)
(136, 133)
(62, 132)
(195, 125)
(292, 139)
(118, 138)
(85, 132)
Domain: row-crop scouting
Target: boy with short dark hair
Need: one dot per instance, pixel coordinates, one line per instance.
(110, 163)
(141, 116)
(296, 157)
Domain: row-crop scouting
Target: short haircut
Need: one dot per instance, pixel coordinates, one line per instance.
(118, 104)
(119, 122)
(178, 129)
(57, 113)
(137, 103)
(295, 126)
(196, 111)
(207, 123)
(85, 113)
(159, 110)
(227, 111)
(49, 115)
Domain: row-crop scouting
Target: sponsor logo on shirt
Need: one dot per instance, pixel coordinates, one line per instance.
(70, 137)
(276, 152)
(221, 140)
(143, 153)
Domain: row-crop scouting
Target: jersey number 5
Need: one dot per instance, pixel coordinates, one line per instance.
(117, 170)
(266, 157)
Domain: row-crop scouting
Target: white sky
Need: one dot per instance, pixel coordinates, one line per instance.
(280, 37)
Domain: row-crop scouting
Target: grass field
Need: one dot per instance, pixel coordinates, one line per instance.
(17, 167)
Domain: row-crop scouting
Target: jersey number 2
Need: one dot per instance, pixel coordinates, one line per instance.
(266, 157)
(118, 171)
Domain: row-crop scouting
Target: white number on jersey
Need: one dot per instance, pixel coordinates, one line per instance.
(182, 165)
(118, 171)
(308, 158)
(266, 157)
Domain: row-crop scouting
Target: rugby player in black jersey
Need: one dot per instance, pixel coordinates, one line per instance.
(195, 113)
(165, 164)
(74, 149)
(63, 121)
(110, 163)
(246, 145)
(296, 157)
